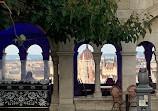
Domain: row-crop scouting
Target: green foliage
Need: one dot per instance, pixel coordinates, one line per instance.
(20, 39)
(5, 20)
(89, 20)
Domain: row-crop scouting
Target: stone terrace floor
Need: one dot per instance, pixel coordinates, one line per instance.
(19, 109)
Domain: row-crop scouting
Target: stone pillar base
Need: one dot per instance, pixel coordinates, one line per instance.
(98, 94)
(156, 92)
(66, 107)
(53, 107)
(130, 109)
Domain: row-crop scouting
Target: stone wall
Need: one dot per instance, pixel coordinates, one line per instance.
(66, 100)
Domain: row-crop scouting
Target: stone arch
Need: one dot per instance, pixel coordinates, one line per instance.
(14, 45)
(29, 22)
(154, 20)
(77, 90)
(119, 63)
(34, 35)
(12, 63)
(85, 64)
(151, 10)
(35, 62)
(45, 49)
(108, 63)
(153, 36)
(148, 52)
(35, 46)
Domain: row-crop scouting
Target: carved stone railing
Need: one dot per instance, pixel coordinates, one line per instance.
(24, 94)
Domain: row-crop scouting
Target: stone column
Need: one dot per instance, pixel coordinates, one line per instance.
(23, 69)
(156, 54)
(119, 69)
(1, 69)
(46, 64)
(66, 81)
(97, 59)
(23, 59)
(46, 69)
(148, 56)
(128, 64)
(3, 66)
(55, 95)
(128, 69)
(77, 89)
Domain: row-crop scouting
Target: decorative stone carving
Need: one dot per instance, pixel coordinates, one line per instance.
(24, 98)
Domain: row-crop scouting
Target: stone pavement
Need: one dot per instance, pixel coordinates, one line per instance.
(29, 109)
(22, 109)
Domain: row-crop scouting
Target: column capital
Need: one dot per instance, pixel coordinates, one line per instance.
(128, 53)
(54, 54)
(55, 60)
(23, 55)
(45, 56)
(96, 48)
(55, 57)
(156, 53)
(4, 54)
(97, 54)
(65, 53)
(118, 52)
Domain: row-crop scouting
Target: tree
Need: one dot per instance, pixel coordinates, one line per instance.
(89, 20)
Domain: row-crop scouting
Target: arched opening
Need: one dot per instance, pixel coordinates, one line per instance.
(108, 65)
(153, 67)
(85, 64)
(51, 70)
(83, 81)
(85, 70)
(33, 36)
(35, 62)
(13, 64)
(148, 55)
(140, 60)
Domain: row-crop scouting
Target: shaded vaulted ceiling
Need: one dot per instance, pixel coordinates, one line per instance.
(29, 30)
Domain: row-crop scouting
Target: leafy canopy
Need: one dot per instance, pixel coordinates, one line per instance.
(89, 20)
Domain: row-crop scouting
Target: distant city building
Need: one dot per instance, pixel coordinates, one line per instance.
(141, 63)
(36, 66)
(108, 68)
(86, 67)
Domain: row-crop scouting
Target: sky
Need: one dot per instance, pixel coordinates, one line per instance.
(36, 50)
(108, 48)
(33, 50)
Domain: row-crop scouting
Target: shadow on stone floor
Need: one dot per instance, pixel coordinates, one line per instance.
(22, 109)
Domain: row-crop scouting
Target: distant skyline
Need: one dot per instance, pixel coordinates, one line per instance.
(36, 50)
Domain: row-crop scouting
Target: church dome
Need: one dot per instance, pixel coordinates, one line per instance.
(86, 54)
